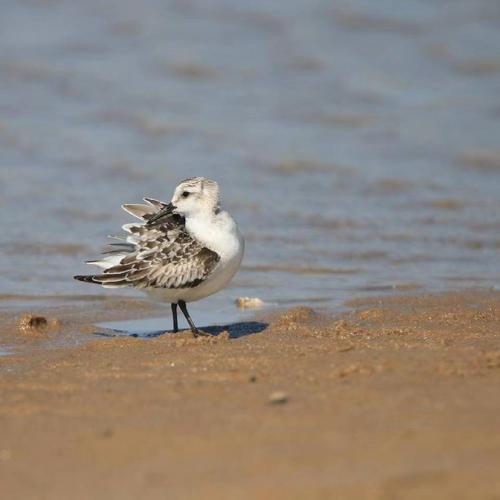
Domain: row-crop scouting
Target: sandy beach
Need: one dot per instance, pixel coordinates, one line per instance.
(395, 398)
(356, 144)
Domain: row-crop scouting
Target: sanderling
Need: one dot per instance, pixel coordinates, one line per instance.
(182, 251)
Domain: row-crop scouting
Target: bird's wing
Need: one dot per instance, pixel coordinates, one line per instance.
(158, 255)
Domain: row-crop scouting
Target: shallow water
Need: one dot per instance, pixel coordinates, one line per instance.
(213, 324)
(355, 142)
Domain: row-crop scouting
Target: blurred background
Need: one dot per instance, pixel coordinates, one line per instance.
(355, 142)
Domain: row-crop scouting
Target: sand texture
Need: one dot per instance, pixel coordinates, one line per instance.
(397, 399)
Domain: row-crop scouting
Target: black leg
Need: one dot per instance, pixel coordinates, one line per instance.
(184, 310)
(174, 316)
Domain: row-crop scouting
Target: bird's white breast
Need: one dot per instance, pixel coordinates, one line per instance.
(221, 235)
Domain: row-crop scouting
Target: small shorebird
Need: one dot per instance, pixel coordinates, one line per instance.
(180, 252)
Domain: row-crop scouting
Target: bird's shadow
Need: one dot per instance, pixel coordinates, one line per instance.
(236, 331)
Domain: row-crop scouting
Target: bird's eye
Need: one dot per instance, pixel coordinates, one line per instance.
(185, 194)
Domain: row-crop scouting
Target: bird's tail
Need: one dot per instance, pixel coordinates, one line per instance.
(86, 279)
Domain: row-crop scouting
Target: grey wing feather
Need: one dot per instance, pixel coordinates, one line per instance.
(144, 212)
(159, 256)
(156, 204)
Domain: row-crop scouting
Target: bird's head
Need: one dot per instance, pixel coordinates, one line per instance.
(194, 196)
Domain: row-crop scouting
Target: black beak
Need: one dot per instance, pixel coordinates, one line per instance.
(166, 211)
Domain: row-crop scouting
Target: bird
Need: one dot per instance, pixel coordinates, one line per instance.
(179, 252)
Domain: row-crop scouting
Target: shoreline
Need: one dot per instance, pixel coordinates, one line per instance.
(397, 397)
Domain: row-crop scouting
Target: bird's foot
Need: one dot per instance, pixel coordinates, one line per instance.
(200, 333)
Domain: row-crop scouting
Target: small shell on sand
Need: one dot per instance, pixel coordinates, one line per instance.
(248, 302)
(278, 398)
(33, 324)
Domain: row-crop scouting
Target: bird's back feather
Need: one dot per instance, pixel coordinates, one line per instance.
(160, 255)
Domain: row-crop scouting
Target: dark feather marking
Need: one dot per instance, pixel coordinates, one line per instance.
(163, 255)
(86, 279)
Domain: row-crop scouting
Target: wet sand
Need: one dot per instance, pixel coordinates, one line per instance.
(396, 399)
